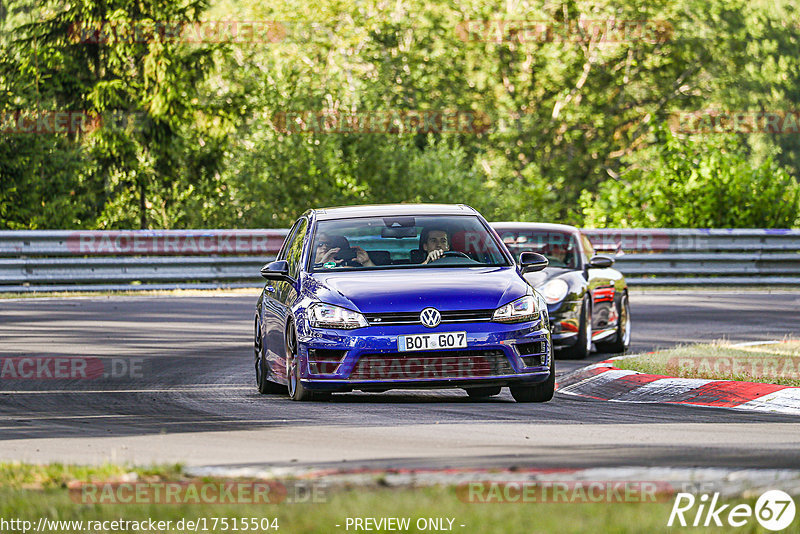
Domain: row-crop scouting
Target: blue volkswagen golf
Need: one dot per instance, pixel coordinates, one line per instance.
(373, 298)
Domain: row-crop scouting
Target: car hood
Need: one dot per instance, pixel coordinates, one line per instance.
(538, 279)
(410, 290)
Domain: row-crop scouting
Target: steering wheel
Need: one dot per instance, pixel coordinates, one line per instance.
(455, 254)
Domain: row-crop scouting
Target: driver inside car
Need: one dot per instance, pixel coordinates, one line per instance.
(435, 243)
(560, 255)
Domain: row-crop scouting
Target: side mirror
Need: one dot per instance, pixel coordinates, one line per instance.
(601, 262)
(277, 270)
(532, 262)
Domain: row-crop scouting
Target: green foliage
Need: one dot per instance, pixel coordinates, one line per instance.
(571, 120)
(696, 182)
(40, 186)
(135, 174)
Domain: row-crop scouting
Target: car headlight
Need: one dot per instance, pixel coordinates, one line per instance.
(554, 291)
(518, 311)
(321, 315)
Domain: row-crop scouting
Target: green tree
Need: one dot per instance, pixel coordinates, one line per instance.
(568, 113)
(140, 170)
(696, 182)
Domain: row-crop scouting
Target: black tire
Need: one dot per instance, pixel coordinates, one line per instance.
(483, 392)
(622, 340)
(542, 392)
(265, 386)
(583, 345)
(263, 383)
(293, 385)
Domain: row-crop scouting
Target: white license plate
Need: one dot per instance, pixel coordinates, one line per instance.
(445, 340)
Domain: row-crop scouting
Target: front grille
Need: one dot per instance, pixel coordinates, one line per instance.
(432, 365)
(457, 316)
(324, 361)
(534, 347)
(533, 353)
(535, 361)
(331, 355)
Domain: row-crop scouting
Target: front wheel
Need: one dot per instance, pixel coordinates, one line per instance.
(538, 392)
(262, 372)
(295, 388)
(622, 340)
(583, 345)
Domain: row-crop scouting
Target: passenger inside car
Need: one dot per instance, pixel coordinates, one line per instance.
(335, 251)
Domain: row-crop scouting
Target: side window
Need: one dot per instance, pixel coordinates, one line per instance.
(295, 248)
(289, 239)
(588, 249)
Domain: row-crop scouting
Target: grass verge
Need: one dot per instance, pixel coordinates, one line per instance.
(777, 363)
(33, 492)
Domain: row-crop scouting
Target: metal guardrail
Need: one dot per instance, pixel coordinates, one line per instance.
(133, 260)
(165, 259)
(139, 242)
(683, 256)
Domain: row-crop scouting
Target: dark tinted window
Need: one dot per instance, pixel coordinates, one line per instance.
(560, 248)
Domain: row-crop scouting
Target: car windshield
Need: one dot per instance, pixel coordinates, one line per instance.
(560, 248)
(404, 241)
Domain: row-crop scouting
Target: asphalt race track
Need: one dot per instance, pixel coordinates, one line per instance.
(181, 389)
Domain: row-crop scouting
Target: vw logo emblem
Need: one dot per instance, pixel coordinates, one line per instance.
(430, 317)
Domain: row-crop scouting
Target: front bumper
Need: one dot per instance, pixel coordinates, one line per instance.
(368, 358)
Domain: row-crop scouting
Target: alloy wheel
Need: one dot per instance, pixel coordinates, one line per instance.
(291, 362)
(588, 307)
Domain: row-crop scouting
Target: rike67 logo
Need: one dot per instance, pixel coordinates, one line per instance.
(774, 510)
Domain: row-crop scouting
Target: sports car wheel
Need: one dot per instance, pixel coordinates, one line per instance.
(483, 392)
(622, 340)
(583, 346)
(539, 392)
(295, 388)
(262, 373)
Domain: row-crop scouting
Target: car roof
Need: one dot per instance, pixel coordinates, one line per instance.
(550, 227)
(391, 210)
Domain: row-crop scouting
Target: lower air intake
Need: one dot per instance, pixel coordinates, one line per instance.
(432, 365)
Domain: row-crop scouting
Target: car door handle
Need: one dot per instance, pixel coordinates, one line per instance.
(271, 289)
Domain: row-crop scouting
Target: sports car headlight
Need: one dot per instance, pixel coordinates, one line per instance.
(554, 291)
(518, 311)
(321, 315)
